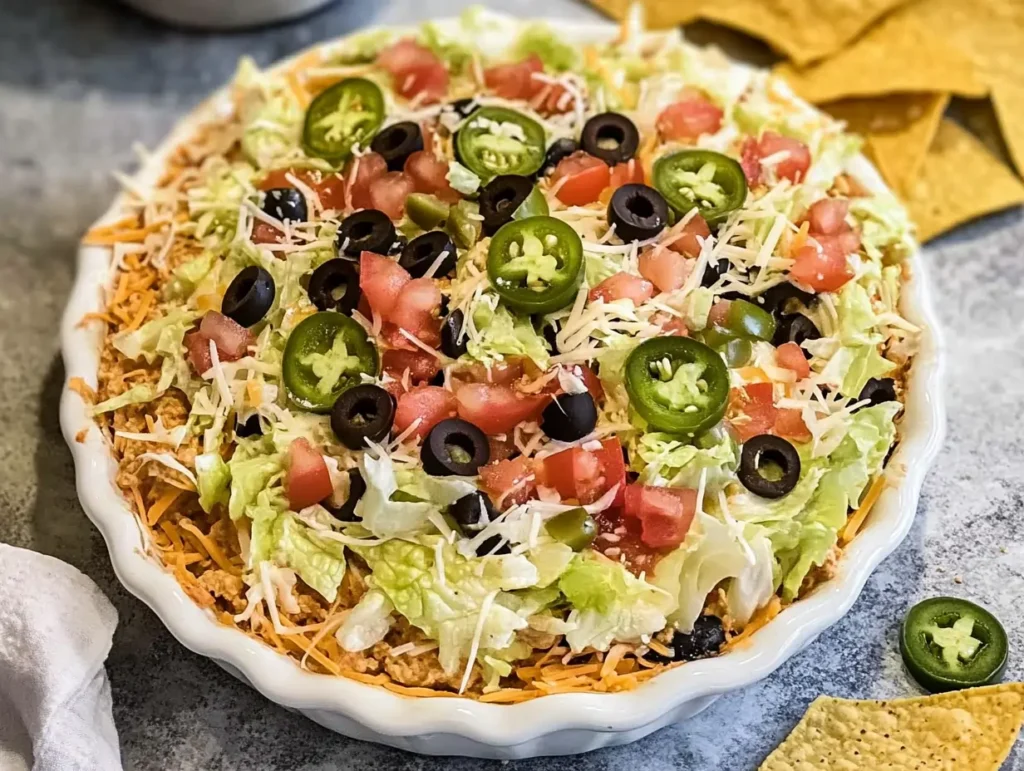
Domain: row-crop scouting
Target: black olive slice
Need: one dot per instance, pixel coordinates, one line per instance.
(335, 286)
(569, 417)
(249, 296)
(638, 212)
(250, 427)
(453, 342)
(706, 639)
(397, 142)
(762, 451)
(285, 203)
(438, 379)
(455, 447)
(473, 512)
(776, 299)
(714, 271)
(550, 333)
(560, 149)
(424, 250)
(363, 412)
(356, 487)
(493, 546)
(611, 137)
(878, 391)
(369, 230)
(500, 198)
(795, 328)
(464, 107)
(398, 245)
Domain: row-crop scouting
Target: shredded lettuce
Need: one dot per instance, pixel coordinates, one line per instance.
(279, 537)
(187, 276)
(462, 179)
(452, 51)
(367, 623)
(157, 337)
(542, 40)
(501, 334)
(214, 205)
(270, 114)
(139, 394)
(381, 515)
(886, 232)
(857, 359)
(666, 459)
(214, 477)
(252, 468)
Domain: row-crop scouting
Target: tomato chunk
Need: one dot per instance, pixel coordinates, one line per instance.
(508, 481)
(416, 308)
(665, 513)
(613, 468)
(430, 175)
(381, 280)
(416, 71)
(789, 424)
(585, 476)
(580, 178)
(828, 216)
(629, 173)
(230, 337)
(689, 118)
(686, 243)
(497, 409)
(515, 80)
(329, 188)
(389, 191)
(428, 404)
(422, 366)
(752, 410)
(666, 269)
(366, 168)
(308, 481)
(623, 286)
(265, 233)
(821, 270)
(791, 357)
(798, 157)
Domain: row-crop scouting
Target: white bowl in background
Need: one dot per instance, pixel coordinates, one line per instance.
(551, 725)
(225, 14)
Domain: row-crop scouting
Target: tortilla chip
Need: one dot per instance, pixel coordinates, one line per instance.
(971, 730)
(801, 30)
(979, 117)
(899, 55)
(959, 180)
(898, 131)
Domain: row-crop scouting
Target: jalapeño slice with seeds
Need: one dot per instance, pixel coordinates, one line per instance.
(677, 385)
(342, 116)
(496, 140)
(712, 183)
(326, 354)
(535, 264)
(948, 643)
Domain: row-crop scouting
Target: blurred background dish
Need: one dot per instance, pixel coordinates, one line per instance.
(225, 14)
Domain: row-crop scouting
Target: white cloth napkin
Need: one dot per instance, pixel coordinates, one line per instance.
(55, 633)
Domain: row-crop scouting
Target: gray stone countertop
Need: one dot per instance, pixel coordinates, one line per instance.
(81, 80)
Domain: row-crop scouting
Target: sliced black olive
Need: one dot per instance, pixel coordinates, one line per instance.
(795, 328)
(369, 230)
(424, 250)
(398, 245)
(356, 487)
(611, 137)
(493, 546)
(454, 448)
(397, 142)
(776, 299)
(769, 466)
(249, 296)
(335, 286)
(560, 149)
(363, 412)
(638, 212)
(569, 417)
(500, 198)
(464, 107)
(706, 639)
(453, 342)
(878, 391)
(285, 203)
(714, 271)
(550, 333)
(438, 379)
(250, 427)
(473, 512)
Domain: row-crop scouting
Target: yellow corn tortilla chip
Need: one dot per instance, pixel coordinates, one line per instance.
(959, 180)
(899, 55)
(972, 730)
(898, 131)
(802, 30)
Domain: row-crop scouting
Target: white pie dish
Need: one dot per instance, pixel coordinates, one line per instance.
(552, 725)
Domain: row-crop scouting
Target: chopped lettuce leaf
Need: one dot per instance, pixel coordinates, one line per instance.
(139, 394)
(367, 623)
(214, 205)
(381, 515)
(755, 584)
(542, 40)
(448, 49)
(214, 476)
(658, 456)
(187, 276)
(696, 308)
(250, 474)
(501, 334)
(462, 179)
(277, 536)
(886, 232)
(551, 560)
(270, 114)
(159, 337)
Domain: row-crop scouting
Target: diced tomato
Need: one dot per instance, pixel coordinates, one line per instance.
(497, 409)
(381, 281)
(629, 173)
(623, 286)
(689, 118)
(551, 98)
(501, 373)
(502, 447)
(308, 481)
(429, 404)
(794, 166)
(505, 481)
(389, 191)
(687, 243)
(415, 311)
(671, 325)
(791, 356)
(430, 175)
(789, 424)
(329, 188)
(231, 338)
(613, 469)
(590, 380)
(839, 245)
(198, 347)
(752, 410)
(821, 270)
(265, 233)
(514, 81)
(750, 161)
(371, 166)
(422, 366)
(584, 178)
(415, 70)
(719, 312)
(666, 269)
(665, 513)
(585, 476)
(827, 217)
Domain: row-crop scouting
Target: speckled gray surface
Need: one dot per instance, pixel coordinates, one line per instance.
(80, 80)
